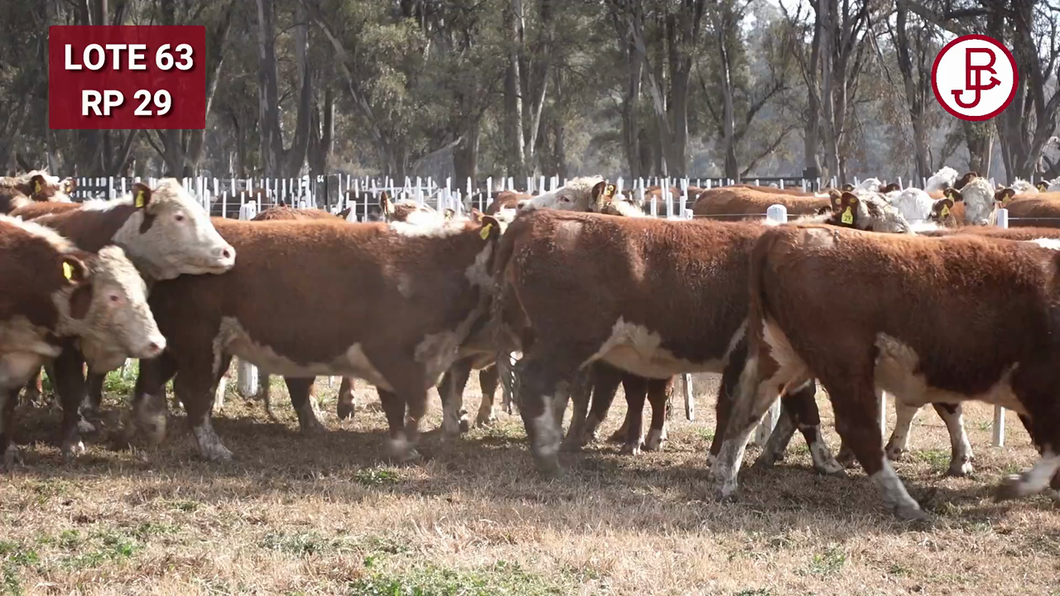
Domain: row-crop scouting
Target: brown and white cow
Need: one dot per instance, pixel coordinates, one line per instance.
(991, 302)
(648, 296)
(55, 295)
(36, 186)
(572, 196)
(165, 233)
(740, 203)
(389, 303)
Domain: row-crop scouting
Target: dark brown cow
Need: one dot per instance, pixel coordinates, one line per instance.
(984, 329)
(390, 303)
(55, 295)
(564, 311)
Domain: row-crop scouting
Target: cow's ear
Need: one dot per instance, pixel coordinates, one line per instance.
(836, 198)
(848, 209)
(491, 228)
(1041, 186)
(74, 271)
(1004, 195)
(141, 195)
(449, 213)
(848, 187)
(953, 194)
(941, 208)
(824, 210)
(69, 185)
(37, 183)
(965, 179)
(890, 188)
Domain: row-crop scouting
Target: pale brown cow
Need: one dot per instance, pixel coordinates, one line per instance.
(991, 302)
(55, 295)
(390, 303)
(741, 203)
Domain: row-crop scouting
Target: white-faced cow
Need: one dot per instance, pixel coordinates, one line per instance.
(55, 295)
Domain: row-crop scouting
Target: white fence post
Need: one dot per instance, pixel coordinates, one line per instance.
(777, 213)
(999, 412)
(247, 373)
(690, 399)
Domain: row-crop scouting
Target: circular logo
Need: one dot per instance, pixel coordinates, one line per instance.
(974, 77)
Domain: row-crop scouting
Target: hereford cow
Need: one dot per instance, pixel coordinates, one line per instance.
(33, 210)
(389, 303)
(739, 203)
(33, 187)
(55, 295)
(166, 233)
(564, 311)
(572, 196)
(803, 275)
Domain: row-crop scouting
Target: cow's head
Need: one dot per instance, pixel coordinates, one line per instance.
(1003, 197)
(601, 196)
(868, 212)
(573, 196)
(978, 198)
(942, 210)
(170, 234)
(103, 301)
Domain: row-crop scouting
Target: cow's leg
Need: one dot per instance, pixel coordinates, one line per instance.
(580, 393)
(757, 389)
(195, 386)
(94, 395)
(1041, 424)
(543, 382)
(852, 392)
(8, 400)
(659, 393)
(398, 447)
(636, 389)
(451, 391)
(347, 404)
(799, 411)
(301, 392)
(69, 383)
(606, 380)
(730, 377)
(34, 393)
(898, 444)
(149, 407)
(488, 378)
(961, 449)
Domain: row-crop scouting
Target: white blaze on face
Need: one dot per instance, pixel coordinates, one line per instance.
(119, 323)
(573, 196)
(978, 201)
(181, 239)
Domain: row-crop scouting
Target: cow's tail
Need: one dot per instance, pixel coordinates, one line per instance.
(759, 308)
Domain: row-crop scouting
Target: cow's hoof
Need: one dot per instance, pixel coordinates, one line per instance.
(548, 466)
(960, 468)
(312, 428)
(724, 493)
(401, 450)
(765, 461)
(846, 458)
(1011, 487)
(911, 513)
(216, 453)
(485, 418)
(70, 451)
(895, 453)
(619, 436)
(465, 424)
(345, 411)
(571, 444)
(711, 458)
(656, 440)
(630, 448)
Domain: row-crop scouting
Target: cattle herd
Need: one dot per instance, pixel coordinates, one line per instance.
(868, 288)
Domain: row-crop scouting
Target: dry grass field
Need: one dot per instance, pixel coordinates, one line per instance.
(300, 514)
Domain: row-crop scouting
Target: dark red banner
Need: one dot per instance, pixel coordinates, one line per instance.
(126, 77)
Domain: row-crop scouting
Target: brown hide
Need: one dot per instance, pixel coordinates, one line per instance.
(506, 199)
(311, 290)
(1034, 212)
(985, 314)
(31, 270)
(733, 204)
(35, 210)
(277, 213)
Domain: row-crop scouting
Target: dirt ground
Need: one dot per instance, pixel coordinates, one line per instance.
(296, 514)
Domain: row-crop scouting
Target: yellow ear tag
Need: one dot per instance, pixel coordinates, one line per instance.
(139, 199)
(485, 233)
(848, 217)
(36, 187)
(945, 211)
(610, 190)
(68, 271)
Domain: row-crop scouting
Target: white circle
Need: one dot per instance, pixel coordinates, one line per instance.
(951, 74)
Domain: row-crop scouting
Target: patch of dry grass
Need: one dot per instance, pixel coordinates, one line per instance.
(324, 515)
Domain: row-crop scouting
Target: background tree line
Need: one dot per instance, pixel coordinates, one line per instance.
(460, 88)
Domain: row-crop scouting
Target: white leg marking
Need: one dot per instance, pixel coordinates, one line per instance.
(400, 449)
(894, 493)
(656, 438)
(961, 460)
(1033, 481)
(547, 430)
(899, 441)
(822, 457)
(210, 445)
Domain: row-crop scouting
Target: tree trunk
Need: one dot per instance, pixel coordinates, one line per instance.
(914, 99)
(826, 22)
